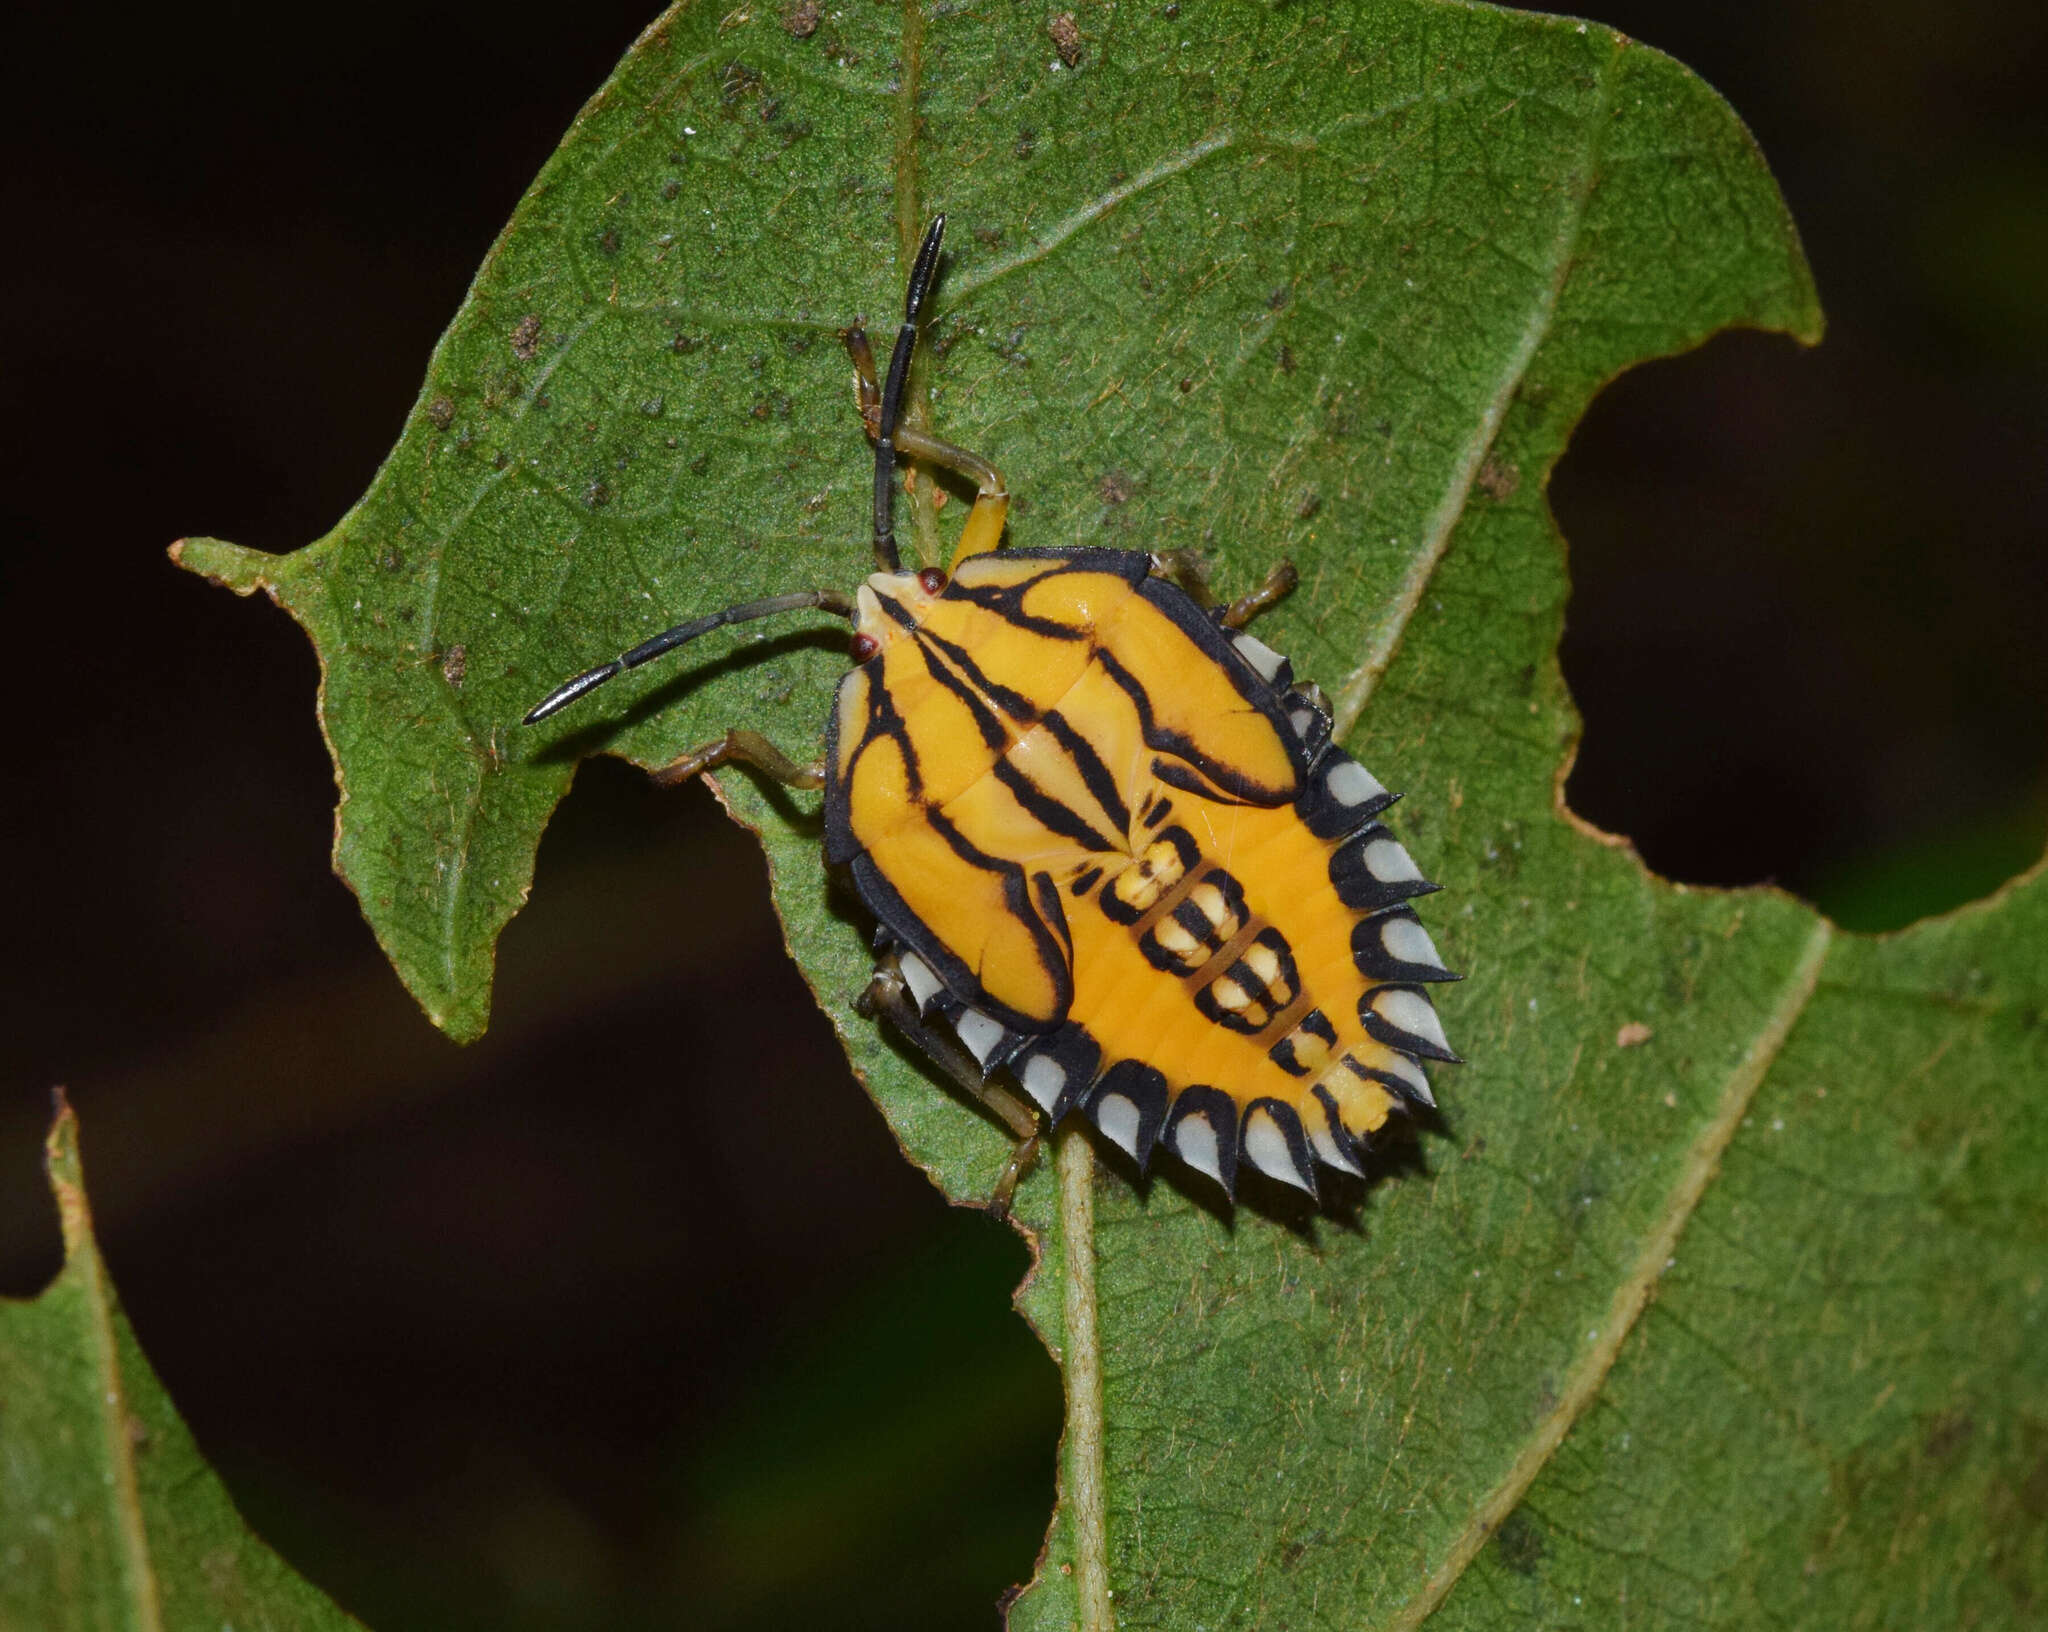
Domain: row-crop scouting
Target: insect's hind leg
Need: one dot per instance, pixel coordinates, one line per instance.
(743, 748)
(888, 995)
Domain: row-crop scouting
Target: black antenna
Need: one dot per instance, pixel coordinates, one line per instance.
(922, 271)
(824, 600)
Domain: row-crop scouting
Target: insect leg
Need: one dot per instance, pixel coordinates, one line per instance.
(889, 996)
(743, 748)
(867, 389)
(984, 529)
(1279, 582)
(1184, 570)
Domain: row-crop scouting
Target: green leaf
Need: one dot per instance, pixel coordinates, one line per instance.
(108, 1517)
(1331, 284)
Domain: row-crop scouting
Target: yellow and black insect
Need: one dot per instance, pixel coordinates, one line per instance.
(1107, 838)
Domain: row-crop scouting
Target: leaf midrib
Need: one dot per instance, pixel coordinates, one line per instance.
(82, 1261)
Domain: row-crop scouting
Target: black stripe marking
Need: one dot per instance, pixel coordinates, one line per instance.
(1053, 912)
(993, 733)
(1016, 900)
(1223, 784)
(1095, 775)
(1355, 1145)
(1013, 703)
(1050, 813)
(1316, 1024)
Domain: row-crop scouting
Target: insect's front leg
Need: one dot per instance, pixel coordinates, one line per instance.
(889, 996)
(984, 528)
(744, 748)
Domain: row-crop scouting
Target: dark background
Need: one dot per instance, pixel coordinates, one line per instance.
(517, 1336)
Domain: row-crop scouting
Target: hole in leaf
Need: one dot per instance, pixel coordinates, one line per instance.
(1803, 633)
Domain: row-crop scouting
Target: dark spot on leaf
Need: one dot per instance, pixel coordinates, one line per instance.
(1066, 37)
(991, 236)
(737, 82)
(392, 560)
(1170, 10)
(526, 338)
(700, 464)
(1518, 1543)
(441, 412)
(1279, 298)
(683, 344)
(801, 19)
(1308, 504)
(597, 495)
(1286, 359)
(669, 189)
(1027, 142)
(1498, 480)
(1950, 1433)
(500, 460)
(609, 242)
(455, 664)
(652, 407)
(1187, 383)
(796, 344)
(1116, 487)
(1290, 1555)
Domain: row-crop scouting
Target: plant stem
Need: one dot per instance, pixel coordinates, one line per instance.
(1082, 1356)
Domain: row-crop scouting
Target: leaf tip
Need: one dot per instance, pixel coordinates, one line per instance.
(231, 566)
(67, 1175)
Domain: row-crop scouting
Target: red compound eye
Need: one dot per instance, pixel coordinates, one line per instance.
(865, 647)
(932, 580)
